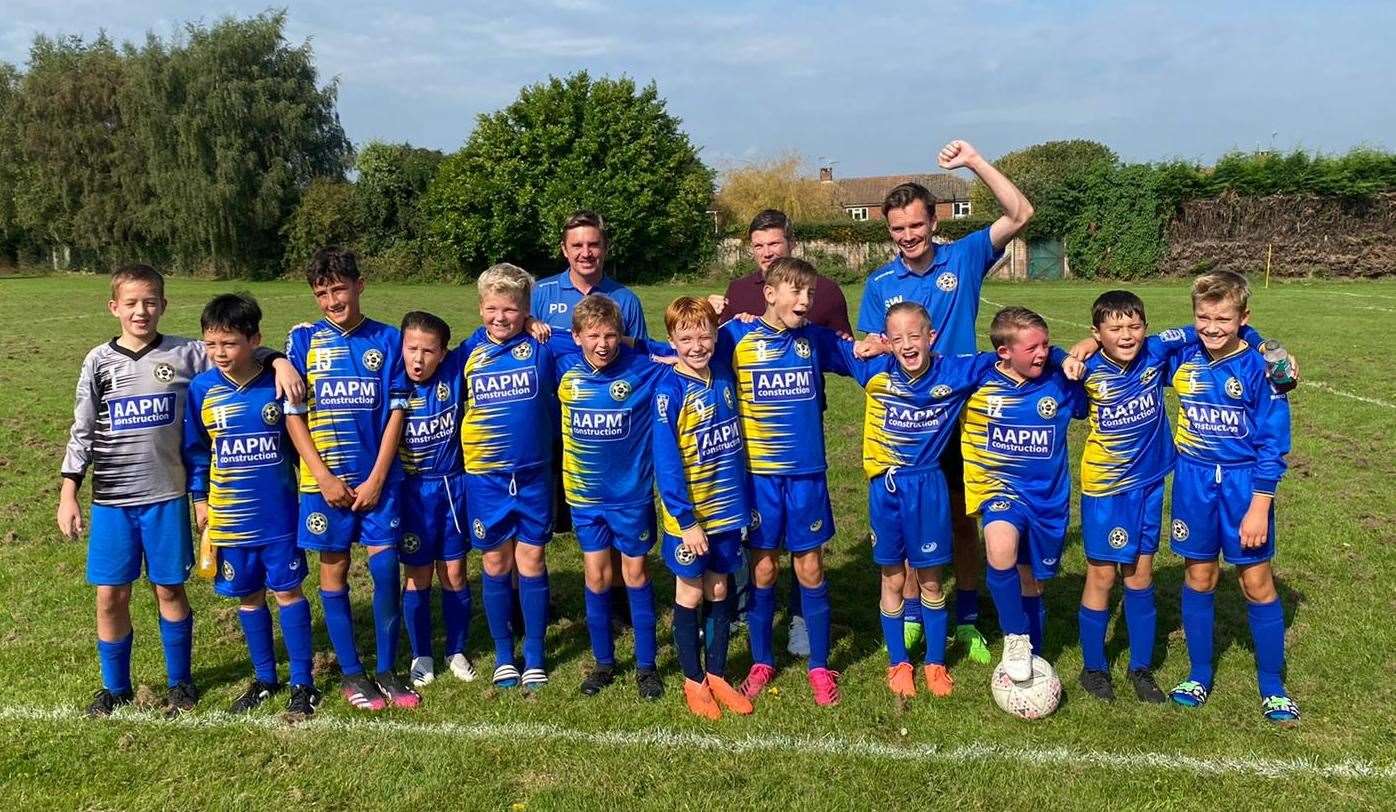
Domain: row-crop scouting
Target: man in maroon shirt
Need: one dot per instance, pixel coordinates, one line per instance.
(769, 234)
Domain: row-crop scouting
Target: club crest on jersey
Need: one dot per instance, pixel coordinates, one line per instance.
(373, 360)
(1119, 537)
(1180, 530)
(317, 523)
(1233, 388)
(620, 390)
(815, 525)
(164, 373)
(998, 506)
(478, 528)
(727, 396)
(684, 556)
(228, 573)
(947, 282)
(1047, 407)
(411, 543)
(443, 392)
(522, 352)
(661, 403)
(940, 391)
(802, 347)
(271, 413)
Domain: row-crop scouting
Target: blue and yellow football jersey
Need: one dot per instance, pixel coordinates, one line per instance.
(431, 433)
(780, 383)
(510, 397)
(1013, 437)
(908, 421)
(1229, 415)
(607, 428)
(354, 380)
(236, 451)
(699, 457)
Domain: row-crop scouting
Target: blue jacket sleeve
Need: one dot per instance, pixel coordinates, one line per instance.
(1272, 435)
(196, 446)
(669, 477)
(633, 317)
(871, 317)
(834, 353)
(297, 348)
(395, 376)
(981, 251)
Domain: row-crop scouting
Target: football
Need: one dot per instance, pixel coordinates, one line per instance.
(1033, 698)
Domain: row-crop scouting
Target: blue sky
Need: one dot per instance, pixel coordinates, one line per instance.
(874, 88)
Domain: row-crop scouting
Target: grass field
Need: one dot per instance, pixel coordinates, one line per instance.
(472, 748)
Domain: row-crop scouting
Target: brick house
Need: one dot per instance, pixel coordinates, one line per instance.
(861, 198)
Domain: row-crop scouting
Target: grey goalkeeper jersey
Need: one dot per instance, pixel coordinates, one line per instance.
(127, 420)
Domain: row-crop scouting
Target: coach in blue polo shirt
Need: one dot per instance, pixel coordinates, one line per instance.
(584, 246)
(946, 280)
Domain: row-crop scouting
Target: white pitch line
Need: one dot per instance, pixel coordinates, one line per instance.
(1354, 295)
(679, 740)
(1319, 385)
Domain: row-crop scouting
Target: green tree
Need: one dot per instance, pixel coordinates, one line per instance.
(327, 215)
(1117, 229)
(391, 180)
(74, 189)
(777, 184)
(232, 126)
(1052, 175)
(12, 235)
(567, 144)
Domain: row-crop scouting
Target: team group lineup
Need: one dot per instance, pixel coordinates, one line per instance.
(368, 439)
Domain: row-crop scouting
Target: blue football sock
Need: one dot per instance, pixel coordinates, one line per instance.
(1141, 621)
(642, 618)
(796, 599)
(497, 593)
(912, 610)
(387, 606)
(686, 642)
(416, 607)
(760, 624)
(256, 628)
(966, 606)
(456, 607)
(937, 621)
(1267, 621)
(1036, 611)
(177, 638)
(295, 631)
(115, 658)
(892, 632)
(533, 597)
(603, 646)
(716, 636)
(1007, 593)
(1092, 623)
(816, 606)
(1199, 616)
(340, 624)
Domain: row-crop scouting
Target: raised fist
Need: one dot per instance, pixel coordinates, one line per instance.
(957, 154)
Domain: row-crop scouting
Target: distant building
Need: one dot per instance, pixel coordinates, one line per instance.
(861, 198)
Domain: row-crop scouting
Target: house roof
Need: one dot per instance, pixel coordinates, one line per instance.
(871, 190)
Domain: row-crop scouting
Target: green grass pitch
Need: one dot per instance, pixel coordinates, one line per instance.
(470, 747)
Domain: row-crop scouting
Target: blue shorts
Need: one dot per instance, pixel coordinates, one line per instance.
(1208, 504)
(627, 528)
(329, 529)
(1122, 526)
(122, 537)
(504, 505)
(433, 520)
(1041, 539)
(791, 511)
(724, 555)
(910, 516)
(251, 568)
